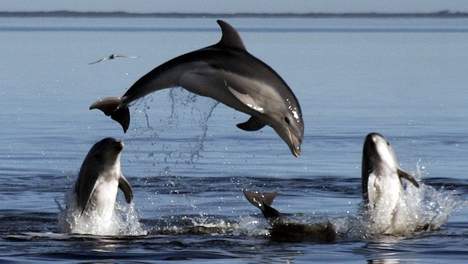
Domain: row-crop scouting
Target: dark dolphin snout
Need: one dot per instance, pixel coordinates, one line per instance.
(108, 144)
(292, 132)
(119, 145)
(369, 148)
(295, 144)
(373, 137)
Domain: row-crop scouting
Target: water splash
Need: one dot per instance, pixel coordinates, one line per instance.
(124, 221)
(210, 225)
(176, 136)
(419, 209)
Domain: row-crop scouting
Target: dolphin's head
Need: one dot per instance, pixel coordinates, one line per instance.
(287, 122)
(378, 153)
(106, 151)
(379, 158)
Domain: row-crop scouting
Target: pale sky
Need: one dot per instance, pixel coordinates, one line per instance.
(237, 5)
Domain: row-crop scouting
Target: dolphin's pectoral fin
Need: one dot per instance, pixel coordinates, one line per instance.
(247, 100)
(231, 37)
(111, 106)
(253, 124)
(126, 188)
(407, 176)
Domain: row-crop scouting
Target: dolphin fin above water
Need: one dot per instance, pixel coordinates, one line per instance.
(404, 175)
(263, 202)
(230, 37)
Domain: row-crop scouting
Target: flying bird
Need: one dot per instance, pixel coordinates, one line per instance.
(113, 56)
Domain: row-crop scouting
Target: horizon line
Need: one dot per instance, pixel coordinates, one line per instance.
(97, 14)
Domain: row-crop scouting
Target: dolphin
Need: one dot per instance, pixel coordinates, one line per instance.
(99, 179)
(283, 228)
(228, 73)
(382, 183)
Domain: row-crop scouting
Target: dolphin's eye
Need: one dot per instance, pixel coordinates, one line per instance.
(286, 119)
(388, 144)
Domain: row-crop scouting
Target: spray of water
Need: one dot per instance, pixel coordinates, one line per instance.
(176, 135)
(123, 222)
(173, 124)
(419, 209)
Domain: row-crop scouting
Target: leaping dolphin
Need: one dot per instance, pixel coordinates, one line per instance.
(100, 177)
(228, 73)
(382, 185)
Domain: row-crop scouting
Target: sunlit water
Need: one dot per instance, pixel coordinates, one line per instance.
(188, 163)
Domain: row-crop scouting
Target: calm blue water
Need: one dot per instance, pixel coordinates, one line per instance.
(187, 162)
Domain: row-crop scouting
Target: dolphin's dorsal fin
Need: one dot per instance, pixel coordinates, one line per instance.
(231, 37)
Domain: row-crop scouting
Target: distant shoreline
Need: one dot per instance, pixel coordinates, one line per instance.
(77, 14)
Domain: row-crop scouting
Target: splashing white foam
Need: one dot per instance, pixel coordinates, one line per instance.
(419, 209)
(124, 220)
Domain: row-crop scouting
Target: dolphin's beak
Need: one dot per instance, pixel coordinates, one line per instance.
(119, 144)
(294, 145)
(296, 151)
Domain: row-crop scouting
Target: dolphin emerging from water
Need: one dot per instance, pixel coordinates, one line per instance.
(382, 185)
(228, 73)
(100, 177)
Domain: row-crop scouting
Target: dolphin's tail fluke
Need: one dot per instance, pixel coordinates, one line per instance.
(263, 202)
(113, 107)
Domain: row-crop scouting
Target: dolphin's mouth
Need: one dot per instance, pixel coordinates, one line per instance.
(296, 151)
(295, 147)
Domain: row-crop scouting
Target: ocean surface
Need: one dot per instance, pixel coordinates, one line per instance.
(188, 163)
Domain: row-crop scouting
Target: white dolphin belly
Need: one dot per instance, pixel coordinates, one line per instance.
(104, 197)
(384, 197)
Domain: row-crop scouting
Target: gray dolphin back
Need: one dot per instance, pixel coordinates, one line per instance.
(366, 169)
(86, 180)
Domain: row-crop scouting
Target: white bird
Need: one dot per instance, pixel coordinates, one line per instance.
(113, 56)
